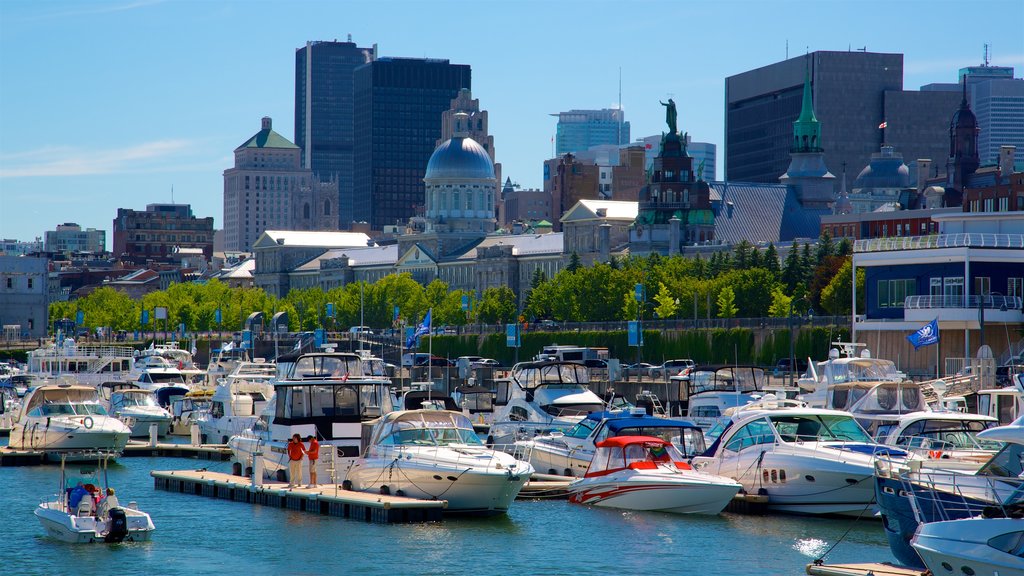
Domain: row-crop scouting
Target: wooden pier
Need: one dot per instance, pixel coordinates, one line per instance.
(869, 569)
(325, 500)
(218, 452)
(546, 486)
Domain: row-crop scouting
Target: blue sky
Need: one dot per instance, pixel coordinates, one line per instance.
(110, 104)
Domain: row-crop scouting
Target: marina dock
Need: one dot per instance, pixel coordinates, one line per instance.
(326, 500)
(868, 569)
(217, 452)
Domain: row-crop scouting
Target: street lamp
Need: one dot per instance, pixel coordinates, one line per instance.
(810, 314)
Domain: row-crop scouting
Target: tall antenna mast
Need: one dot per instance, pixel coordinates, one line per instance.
(172, 193)
(619, 137)
(986, 53)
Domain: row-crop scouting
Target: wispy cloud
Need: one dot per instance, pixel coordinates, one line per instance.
(86, 10)
(69, 161)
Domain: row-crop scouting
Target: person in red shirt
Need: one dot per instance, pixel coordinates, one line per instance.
(295, 452)
(313, 453)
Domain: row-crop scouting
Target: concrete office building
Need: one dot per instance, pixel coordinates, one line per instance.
(399, 104)
(24, 295)
(69, 238)
(854, 93)
(325, 112)
(579, 130)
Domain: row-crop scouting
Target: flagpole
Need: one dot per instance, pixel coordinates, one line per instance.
(430, 350)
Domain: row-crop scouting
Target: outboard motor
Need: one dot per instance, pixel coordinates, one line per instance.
(118, 528)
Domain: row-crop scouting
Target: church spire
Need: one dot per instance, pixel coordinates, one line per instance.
(806, 128)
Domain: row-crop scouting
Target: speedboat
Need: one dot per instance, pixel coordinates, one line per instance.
(571, 452)
(805, 460)
(320, 394)
(238, 400)
(983, 546)
(135, 407)
(435, 455)
(91, 521)
(647, 473)
(67, 417)
(541, 397)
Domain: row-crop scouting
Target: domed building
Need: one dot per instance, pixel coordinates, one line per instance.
(460, 187)
(885, 180)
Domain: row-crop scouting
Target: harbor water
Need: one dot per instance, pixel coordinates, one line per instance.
(197, 535)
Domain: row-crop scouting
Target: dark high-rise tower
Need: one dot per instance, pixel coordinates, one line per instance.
(399, 103)
(324, 112)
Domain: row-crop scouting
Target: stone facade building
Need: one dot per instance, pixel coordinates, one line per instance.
(158, 232)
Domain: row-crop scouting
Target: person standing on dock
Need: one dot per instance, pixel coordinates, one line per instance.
(314, 454)
(295, 452)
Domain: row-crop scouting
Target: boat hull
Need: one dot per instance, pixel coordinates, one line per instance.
(552, 458)
(653, 494)
(84, 530)
(59, 439)
(967, 546)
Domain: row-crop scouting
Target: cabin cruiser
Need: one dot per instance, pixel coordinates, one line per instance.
(175, 356)
(541, 397)
(477, 403)
(840, 381)
(188, 409)
(982, 545)
(157, 372)
(910, 494)
(319, 394)
(570, 453)
(237, 401)
(67, 417)
(88, 364)
(706, 392)
(435, 455)
(646, 473)
(91, 520)
(805, 460)
(135, 407)
(21, 383)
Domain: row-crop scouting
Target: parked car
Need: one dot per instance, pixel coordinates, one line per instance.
(595, 363)
(548, 325)
(671, 368)
(361, 331)
(641, 369)
(487, 363)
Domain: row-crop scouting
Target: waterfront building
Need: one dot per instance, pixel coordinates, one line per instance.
(854, 93)
(24, 295)
(279, 251)
(267, 188)
(465, 115)
(324, 118)
(12, 247)
(579, 130)
(524, 205)
(156, 233)
(69, 238)
(399, 104)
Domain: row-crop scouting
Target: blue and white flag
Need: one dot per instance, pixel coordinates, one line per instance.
(926, 336)
(421, 330)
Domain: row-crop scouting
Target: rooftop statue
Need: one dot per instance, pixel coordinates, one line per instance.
(670, 115)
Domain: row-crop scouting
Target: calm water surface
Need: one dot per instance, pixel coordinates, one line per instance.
(197, 535)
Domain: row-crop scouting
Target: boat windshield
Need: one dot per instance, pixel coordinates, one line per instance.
(428, 428)
(567, 376)
(133, 399)
(339, 366)
(582, 429)
(862, 370)
(618, 457)
(72, 409)
(1007, 463)
(728, 379)
(818, 428)
(690, 441)
(887, 398)
(164, 377)
(947, 434)
(374, 367)
(478, 402)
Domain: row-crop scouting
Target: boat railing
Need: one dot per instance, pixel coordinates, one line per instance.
(87, 350)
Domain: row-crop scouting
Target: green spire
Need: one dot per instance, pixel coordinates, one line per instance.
(807, 129)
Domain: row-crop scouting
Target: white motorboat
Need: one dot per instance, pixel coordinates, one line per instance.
(189, 409)
(647, 473)
(570, 453)
(323, 395)
(982, 546)
(805, 460)
(839, 382)
(67, 417)
(88, 520)
(135, 407)
(237, 401)
(435, 455)
(541, 397)
(175, 355)
(88, 364)
(706, 392)
(155, 372)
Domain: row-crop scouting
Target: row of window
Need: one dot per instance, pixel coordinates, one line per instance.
(9, 282)
(893, 293)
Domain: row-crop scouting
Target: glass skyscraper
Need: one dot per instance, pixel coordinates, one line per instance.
(578, 130)
(399, 103)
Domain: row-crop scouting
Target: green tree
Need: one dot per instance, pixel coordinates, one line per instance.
(630, 307)
(741, 255)
(806, 264)
(780, 303)
(845, 247)
(666, 302)
(497, 305)
(771, 260)
(727, 303)
(837, 295)
(824, 249)
(792, 273)
(574, 262)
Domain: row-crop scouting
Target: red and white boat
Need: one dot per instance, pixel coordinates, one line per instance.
(646, 473)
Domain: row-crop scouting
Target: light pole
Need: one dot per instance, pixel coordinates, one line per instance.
(789, 317)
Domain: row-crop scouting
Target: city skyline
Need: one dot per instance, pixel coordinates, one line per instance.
(105, 105)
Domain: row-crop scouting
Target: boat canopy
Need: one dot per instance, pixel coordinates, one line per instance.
(639, 452)
(741, 379)
(165, 395)
(531, 375)
(425, 427)
(414, 400)
(327, 366)
(858, 370)
(872, 398)
(682, 434)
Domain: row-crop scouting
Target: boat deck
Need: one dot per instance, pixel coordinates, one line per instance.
(868, 569)
(326, 500)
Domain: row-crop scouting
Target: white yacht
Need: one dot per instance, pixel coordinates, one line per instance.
(649, 474)
(88, 364)
(541, 397)
(135, 407)
(155, 372)
(435, 455)
(982, 545)
(840, 381)
(67, 417)
(175, 355)
(88, 522)
(320, 394)
(190, 408)
(706, 392)
(570, 453)
(237, 401)
(805, 460)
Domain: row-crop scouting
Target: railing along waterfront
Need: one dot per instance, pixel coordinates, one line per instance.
(975, 240)
(990, 302)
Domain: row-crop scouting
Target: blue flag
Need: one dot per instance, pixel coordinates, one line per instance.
(422, 329)
(926, 336)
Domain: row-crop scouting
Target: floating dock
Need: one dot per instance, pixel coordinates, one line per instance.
(325, 500)
(743, 503)
(12, 457)
(546, 486)
(218, 452)
(869, 569)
